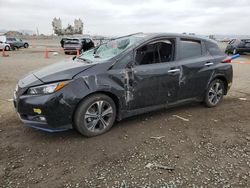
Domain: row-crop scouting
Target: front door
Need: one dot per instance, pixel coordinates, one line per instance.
(154, 80)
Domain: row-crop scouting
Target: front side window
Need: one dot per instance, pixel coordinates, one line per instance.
(190, 48)
(155, 52)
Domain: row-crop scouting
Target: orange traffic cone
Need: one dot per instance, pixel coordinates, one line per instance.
(46, 54)
(3, 53)
(77, 52)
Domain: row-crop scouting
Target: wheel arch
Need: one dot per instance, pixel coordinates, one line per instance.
(224, 80)
(108, 93)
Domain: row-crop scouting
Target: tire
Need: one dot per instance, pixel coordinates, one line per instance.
(214, 93)
(7, 48)
(26, 45)
(89, 117)
(13, 48)
(66, 53)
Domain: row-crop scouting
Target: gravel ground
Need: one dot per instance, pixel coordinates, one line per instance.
(187, 146)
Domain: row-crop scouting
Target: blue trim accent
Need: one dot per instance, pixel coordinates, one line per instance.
(235, 56)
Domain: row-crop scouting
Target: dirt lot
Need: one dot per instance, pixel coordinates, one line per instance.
(212, 149)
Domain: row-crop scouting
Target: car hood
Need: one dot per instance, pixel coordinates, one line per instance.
(61, 71)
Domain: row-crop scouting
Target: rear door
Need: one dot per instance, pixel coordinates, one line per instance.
(196, 68)
(19, 43)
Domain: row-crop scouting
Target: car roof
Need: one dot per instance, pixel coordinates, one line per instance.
(161, 35)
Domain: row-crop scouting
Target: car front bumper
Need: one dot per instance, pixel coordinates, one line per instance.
(50, 113)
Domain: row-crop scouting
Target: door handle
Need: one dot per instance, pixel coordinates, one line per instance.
(209, 63)
(174, 70)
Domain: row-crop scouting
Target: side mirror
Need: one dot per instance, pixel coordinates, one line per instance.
(74, 57)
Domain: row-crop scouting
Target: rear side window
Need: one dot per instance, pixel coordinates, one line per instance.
(190, 48)
(213, 49)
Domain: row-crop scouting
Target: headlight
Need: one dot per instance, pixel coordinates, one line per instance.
(46, 89)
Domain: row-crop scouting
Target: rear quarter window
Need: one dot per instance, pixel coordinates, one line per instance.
(190, 48)
(213, 49)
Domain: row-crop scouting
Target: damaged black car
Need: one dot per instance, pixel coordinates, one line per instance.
(122, 78)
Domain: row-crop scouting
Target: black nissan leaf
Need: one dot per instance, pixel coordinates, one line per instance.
(121, 78)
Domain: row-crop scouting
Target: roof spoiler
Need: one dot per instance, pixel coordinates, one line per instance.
(230, 58)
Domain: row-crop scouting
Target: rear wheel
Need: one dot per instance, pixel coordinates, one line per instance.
(215, 92)
(95, 115)
(26, 45)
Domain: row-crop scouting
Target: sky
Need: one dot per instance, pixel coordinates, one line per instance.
(119, 17)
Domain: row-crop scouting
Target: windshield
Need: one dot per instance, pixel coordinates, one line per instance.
(110, 49)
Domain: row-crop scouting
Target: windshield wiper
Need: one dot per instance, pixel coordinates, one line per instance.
(86, 60)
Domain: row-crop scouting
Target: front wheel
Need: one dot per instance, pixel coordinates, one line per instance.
(7, 48)
(95, 115)
(215, 92)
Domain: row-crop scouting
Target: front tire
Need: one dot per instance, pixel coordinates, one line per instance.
(214, 93)
(95, 115)
(7, 48)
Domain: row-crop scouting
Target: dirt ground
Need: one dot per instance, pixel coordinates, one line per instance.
(209, 148)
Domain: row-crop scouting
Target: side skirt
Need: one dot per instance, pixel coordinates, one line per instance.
(126, 114)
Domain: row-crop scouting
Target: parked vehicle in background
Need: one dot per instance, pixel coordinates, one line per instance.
(121, 78)
(5, 46)
(17, 43)
(238, 46)
(71, 45)
(62, 41)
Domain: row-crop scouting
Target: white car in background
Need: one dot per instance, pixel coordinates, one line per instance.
(4, 46)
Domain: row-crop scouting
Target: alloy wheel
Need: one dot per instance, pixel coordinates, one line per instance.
(98, 116)
(215, 93)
